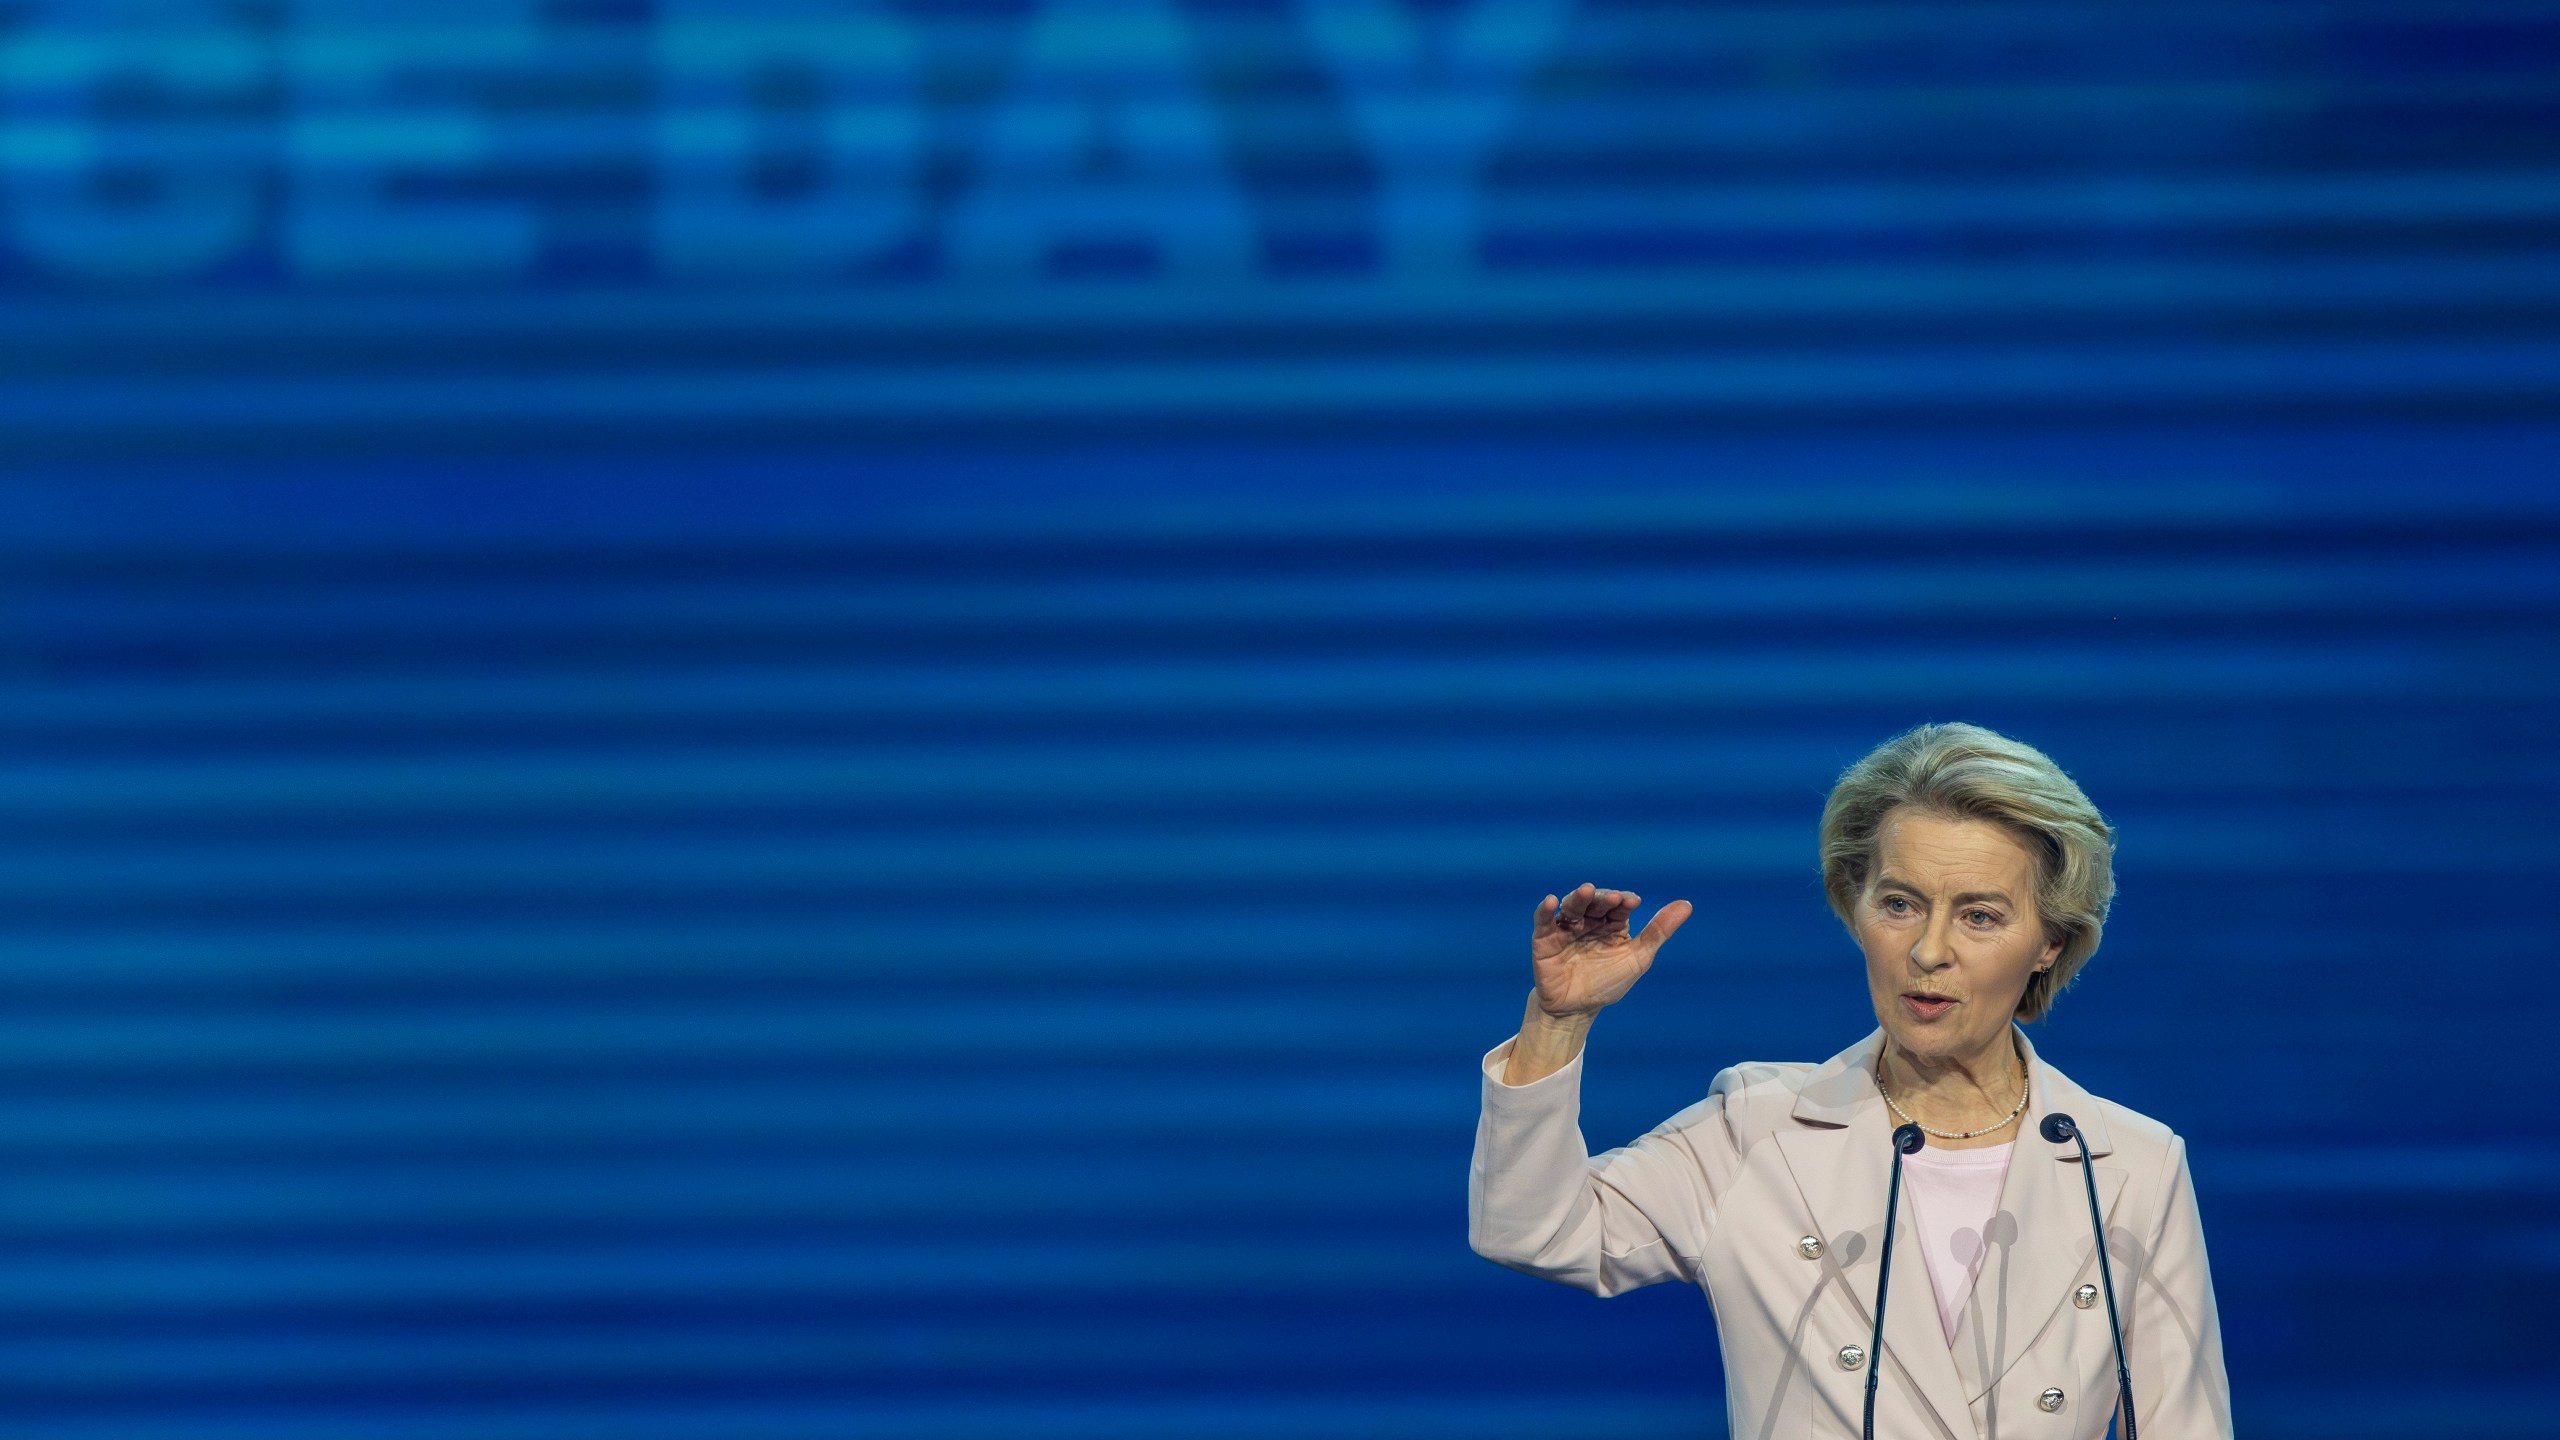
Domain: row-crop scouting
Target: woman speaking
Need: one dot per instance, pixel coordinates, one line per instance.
(1975, 876)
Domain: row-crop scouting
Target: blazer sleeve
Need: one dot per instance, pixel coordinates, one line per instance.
(1538, 1201)
(2173, 1335)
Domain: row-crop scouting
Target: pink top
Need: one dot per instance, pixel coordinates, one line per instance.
(1954, 1194)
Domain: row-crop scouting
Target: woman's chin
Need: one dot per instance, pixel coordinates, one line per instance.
(1931, 1039)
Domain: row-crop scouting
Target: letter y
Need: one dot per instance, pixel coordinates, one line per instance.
(1431, 108)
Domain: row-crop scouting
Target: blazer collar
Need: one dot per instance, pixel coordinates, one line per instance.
(1840, 1153)
(2039, 1240)
(1843, 1089)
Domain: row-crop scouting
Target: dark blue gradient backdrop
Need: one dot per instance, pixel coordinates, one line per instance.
(759, 721)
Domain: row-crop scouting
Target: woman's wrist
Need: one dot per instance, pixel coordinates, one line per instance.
(1546, 1043)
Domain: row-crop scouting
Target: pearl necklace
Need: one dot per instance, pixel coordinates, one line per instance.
(2014, 1111)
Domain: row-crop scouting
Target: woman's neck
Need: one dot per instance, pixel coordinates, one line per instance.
(1958, 1093)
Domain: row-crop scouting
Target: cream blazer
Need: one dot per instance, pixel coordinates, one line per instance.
(1781, 1160)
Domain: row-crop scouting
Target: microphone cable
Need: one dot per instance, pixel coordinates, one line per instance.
(1906, 1140)
(2058, 1127)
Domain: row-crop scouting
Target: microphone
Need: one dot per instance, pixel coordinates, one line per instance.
(2057, 1128)
(1906, 1140)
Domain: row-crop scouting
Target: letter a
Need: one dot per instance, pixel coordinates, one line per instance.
(1104, 142)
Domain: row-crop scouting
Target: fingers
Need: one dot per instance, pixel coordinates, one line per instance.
(1622, 903)
(1545, 915)
(1666, 922)
(1588, 909)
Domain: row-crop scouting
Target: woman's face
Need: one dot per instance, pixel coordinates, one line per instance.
(1950, 930)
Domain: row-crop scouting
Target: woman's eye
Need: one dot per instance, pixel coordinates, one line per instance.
(1981, 917)
(1896, 905)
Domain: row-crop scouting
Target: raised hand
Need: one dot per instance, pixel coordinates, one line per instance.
(1583, 954)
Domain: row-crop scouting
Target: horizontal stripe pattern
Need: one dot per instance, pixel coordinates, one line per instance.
(436, 972)
(590, 848)
(1831, 210)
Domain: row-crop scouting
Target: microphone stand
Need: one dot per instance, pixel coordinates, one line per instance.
(2057, 1128)
(1906, 1139)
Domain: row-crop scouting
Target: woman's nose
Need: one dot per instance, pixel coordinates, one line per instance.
(1931, 951)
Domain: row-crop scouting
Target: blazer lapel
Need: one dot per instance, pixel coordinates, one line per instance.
(1840, 1153)
(2039, 1246)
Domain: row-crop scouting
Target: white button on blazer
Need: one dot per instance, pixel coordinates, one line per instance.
(1727, 1194)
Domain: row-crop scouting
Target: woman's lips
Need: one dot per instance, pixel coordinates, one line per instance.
(1927, 1007)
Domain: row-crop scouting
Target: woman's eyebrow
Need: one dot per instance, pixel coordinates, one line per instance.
(1896, 882)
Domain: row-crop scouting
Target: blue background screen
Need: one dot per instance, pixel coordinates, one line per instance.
(786, 719)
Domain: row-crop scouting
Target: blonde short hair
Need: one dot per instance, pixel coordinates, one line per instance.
(1965, 772)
